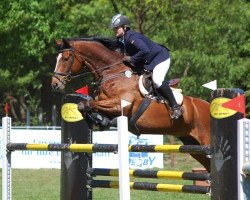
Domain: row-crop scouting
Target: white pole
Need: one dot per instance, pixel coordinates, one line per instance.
(124, 186)
(6, 159)
(243, 134)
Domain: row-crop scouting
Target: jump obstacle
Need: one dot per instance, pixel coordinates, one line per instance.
(222, 162)
(161, 174)
(94, 148)
(90, 148)
(173, 175)
(152, 186)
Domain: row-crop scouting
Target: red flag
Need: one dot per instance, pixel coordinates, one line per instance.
(7, 109)
(83, 90)
(237, 104)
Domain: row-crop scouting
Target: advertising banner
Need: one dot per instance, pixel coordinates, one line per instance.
(35, 159)
(137, 160)
(52, 159)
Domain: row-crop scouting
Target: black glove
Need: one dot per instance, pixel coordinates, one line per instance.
(126, 59)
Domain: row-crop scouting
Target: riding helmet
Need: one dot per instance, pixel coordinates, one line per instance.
(119, 20)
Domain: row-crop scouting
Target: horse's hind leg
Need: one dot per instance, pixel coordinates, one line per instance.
(200, 134)
(203, 159)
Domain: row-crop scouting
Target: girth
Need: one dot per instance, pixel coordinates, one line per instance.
(132, 122)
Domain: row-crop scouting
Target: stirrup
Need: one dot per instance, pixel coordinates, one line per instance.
(176, 113)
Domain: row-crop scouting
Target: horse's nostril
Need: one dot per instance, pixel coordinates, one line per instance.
(54, 86)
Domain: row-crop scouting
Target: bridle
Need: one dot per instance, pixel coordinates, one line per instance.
(65, 77)
(68, 76)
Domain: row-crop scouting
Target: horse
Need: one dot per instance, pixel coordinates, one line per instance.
(101, 58)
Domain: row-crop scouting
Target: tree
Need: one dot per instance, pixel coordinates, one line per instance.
(29, 29)
(209, 40)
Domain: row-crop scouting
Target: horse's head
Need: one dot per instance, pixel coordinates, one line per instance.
(68, 63)
(75, 55)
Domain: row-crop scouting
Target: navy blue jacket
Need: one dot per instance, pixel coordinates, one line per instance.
(143, 51)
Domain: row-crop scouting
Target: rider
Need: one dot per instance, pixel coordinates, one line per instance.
(141, 51)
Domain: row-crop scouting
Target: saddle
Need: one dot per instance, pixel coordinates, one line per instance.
(150, 93)
(147, 88)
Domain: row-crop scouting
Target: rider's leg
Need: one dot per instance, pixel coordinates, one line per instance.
(167, 93)
(159, 73)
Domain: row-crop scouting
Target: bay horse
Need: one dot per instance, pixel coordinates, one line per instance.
(98, 57)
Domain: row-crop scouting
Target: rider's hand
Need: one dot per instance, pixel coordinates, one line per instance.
(126, 59)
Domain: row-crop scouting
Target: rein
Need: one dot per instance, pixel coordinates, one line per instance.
(100, 70)
(68, 76)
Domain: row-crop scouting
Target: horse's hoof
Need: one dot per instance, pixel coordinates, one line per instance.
(81, 107)
(113, 122)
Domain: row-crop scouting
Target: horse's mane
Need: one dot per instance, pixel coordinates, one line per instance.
(110, 43)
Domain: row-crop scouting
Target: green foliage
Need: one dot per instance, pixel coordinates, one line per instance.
(209, 40)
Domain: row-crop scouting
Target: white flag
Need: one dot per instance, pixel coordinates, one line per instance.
(124, 103)
(211, 85)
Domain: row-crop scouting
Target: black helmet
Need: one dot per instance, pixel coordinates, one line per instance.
(119, 20)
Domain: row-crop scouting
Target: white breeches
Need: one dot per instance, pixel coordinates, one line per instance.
(160, 71)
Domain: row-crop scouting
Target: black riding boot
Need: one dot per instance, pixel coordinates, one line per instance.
(167, 93)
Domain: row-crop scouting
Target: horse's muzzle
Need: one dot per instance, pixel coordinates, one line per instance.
(57, 86)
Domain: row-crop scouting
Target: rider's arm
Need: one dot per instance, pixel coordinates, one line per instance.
(142, 53)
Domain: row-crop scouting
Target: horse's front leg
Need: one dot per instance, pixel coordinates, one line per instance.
(110, 106)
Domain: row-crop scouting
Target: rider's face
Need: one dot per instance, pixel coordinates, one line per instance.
(119, 31)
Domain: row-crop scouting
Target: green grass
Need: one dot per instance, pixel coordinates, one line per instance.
(44, 184)
(39, 184)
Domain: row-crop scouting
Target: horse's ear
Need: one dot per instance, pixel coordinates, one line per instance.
(66, 44)
(58, 44)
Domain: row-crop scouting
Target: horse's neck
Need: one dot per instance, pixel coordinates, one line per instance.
(102, 60)
(100, 55)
